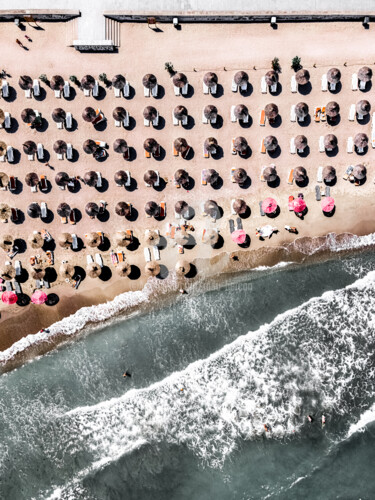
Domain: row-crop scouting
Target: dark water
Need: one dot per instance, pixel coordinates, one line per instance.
(207, 372)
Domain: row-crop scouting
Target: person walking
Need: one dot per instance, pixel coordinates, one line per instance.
(19, 42)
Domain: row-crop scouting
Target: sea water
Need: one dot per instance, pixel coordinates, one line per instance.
(270, 346)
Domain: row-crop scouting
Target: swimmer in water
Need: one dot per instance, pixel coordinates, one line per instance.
(266, 427)
(323, 420)
(311, 420)
(127, 374)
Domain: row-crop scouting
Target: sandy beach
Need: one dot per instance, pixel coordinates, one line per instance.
(194, 50)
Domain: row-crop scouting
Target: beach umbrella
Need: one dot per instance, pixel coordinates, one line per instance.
(63, 210)
(122, 239)
(271, 77)
(180, 112)
(210, 144)
(150, 145)
(120, 177)
(333, 75)
(4, 179)
(60, 147)
(240, 144)
(332, 109)
(93, 270)
(181, 177)
(92, 209)
(210, 111)
(62, 178)
(9, 298)
(150, 113)
(89, 114)
(180, 207)
(299, 205)
(269, 206)
(365, 74)
(6, 242)
(59, 115)
(182, 238)
(179, 80)
(2, 117)
(65, 240)
(270, 174)
(91, 178)
(88, 82)
(38, 273)
(150, 177)
(119, 114)
(118, 82)
(363, 107)
(33, 210)
(359, 172)
(149, 81)
(180, 144)
(57, 82)
(25, 82)
(36, 240)
(241, 111)
(302, 110)
(300, 141)
(29, 147)
(5, 211)
(28, 115)
(302, 77)
(241, 77)
(152, 269)
(152, 238)
(182, 267)
(210, 176)
(8, 272)
(120, 146)
(123, 269)
(152, 208)
(93, 239)
(270, 143)
(271, 111)
(328, 204)
(299, 174)
(240, 175)
(38, 297)
(211, 208)
(90, 146)
(210, 237)
(329, 173)
(238, 236)
(122, 209)
(330, 141)
(239, 206)
(66, 270)
(361, 140)
(3, 148)
(210, 79)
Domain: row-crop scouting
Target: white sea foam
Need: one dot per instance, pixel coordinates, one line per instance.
(367, 417)
(279, 265)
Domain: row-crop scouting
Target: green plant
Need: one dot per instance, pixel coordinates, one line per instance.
(43, 78)
(169, 67)
(74, 79)
(103, 78)
(276, 64)
(296, 63)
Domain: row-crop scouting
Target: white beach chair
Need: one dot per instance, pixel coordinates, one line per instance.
(86, 92)
(349, 145)
(213, 120)
(2, 157)
(321, 144)
(30, 157)
(66, 89)
(206, 90)
(129, 180)
(43, 210)
(156, 252)
(332, 86)
(157, 183)
(5, 88)
(246, 119)
(362, 85)
(117, 92)
(126, 120)
(320, 174)
(359, 117)
(185, 88)
(213, 89)
(293, 84)
(99, 182)
(60, 125)
(324, 83)
(233, 212)
(185, 120)
(176, 90)
(89, 259)
(60, 156)
(147, 254)
(146, 122)
(126, 89)
(263, 85)
(75, 243)
(175, 120)
(10, 154)
(68, 120)
(273, 88)
(155, 90)
(117, 123)
(7, 121)
(243, 86)
(36, 88)
(95, 90)
(352, 113)
(18, 268)
(40, 151)
(292, 146)
(232, 115)
(69, 151)
(234, 86)
(204, 119)
(293, 113)
(373, 138)
(98, 259)
(146, 92)
(58, 94)
(354, 81)
(176, 215)
(28, 94)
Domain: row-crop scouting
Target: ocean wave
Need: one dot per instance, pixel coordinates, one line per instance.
(332, 242)
(279, 265)
(366, 418)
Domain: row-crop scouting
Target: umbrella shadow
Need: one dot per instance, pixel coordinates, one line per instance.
(51, 274)
(305, 89)
(219, 91)
(50, 217)
(304, 153)
(161, 154)
(101, 94)
(42, 94)
(163, 274)
(218, 184)
(23, 300)
(19, 187)
(275, 214)
(103, 216)
(367, 88)
(274, 184)
(304, 183)
(74, 126)
(14, 126)
(24, 276)
(12, 95)
(365, 120)
(43, 127)
(134, 245)
(333, 121)
(246, 214)
(192, 272)
(49, 187)
(20, 244)
(161, 92)
(246, 184)
(21, 217)
(162, 185)
(242, 124)
(132, 123)
(330, 183)
(49, 245)
(72, 94)
(101, 126)
(219, 153)
(190, 155)
(189, 185)
(332, 153)
(76, 188)
(106, 274)
(364, 151)
(277, 122)
(219, 122)
(337, 89)
(133, 216)
(279, 89)
(190, 244)
(247, 154)
(246, 243)
(190, 124)
(79, 271)
(132, 154)
(75, 156)
(249, 90)
(104, 186)
(306, 122)
(331, 213)
(190, 92)
(219, 244)
(162, 243)
(161, 124)
(80, 245)
(46, 156)
(276, 153)
(131, 93)
(105, 246)
(135, 272)
(52, 299)
(133, 185)
(16, 156)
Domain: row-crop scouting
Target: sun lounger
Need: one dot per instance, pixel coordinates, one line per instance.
(176, 90)
(185, 89)
(324, 83)
(231, 225)
(349, 170)
(2, 157)
(317, 193)
(359, 117)
(185, 120)
(185, 153)
(175, 120)
(89, 259)
(69, 151)
(332, 86)
(362, 85)
(293, 84)
(146, 92)
(147, 254)
(14, 215)
(213, 120)
(147, 154)
(273, 88)
(261, 209)
(18, 268)
(239, 223)
(163, 209)
(12, 183)
(28, 94)
(263, 85)
(120, 256)
(36, 88)
(352, 113)
(205, 89)
(95, 90)
(243, 87)
(155, 122)
(203, 177)
(232, 170)
(262, 120)
(349, 145)
(114, 258)
(213, 90)
(146, 123)
(72, 217)
(234, 86)
(206, 154)
(98, 259)
(43, 210)
(126, 120)
(99, 182)
(40, 151)
(68, 120)
(354, 81)
(126, 89)
(129, 179)
(60, 125)
(321, 144)
(292, 146)
(291, 178)
(323, 114)
(30, 157)
(320, 174)
(156, 252)
(66, 89)
(204, 119)
(43, 183)
(262, 147)
(232, 115)
(246, 119)
(317, 114)
(10, 154)
(60, 156)
(234, 152)
(5, 88)
(7, 121)
(360, 150)
(373, 137)
(155, 90)
(233, 212)
(117, 92)
(262, 179)
(86, 92)
(58, 94)
(118, 124)
(328, 191)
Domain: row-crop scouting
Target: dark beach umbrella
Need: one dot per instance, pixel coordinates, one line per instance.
(365, 74)
(271, 77)
(119, 114)
(122, 209)
(63, 210)
(4, 179)
(271, 111)
(88, 82)
(152, 238)
(240, 175)
(31, 179)
(59, 115)
(89, 114)
(29, 147)
(333, 75)
(211, 208)
(152, 269)
(182, 238)
(90, 178)
(152, 208)
(57, 82)
(363, 108)
(6, 242)
(25, 82)
(120, 178)
(239, 206)
(302, 77)
(33, 210)
(270, 174)
(150, 145)
(118, 82)
(93, 270)
(122, 239)
(123, 269)
(181, 177)
(38, 273)
(181, 206)
(300, 141)
(150, 177)
(120, 146)
(299, 174)
(93, 239)
(66, 270)
(180, 112)
(92, 209)
(302, 110)
(359, 172)
(329, 173)
(210, 237)
(211, 176)
(210, 112)
(332, 109)
(361, 140)
(182, 267)
(210, 144)
(150, 113)
(179, 80)
(90, 146)
(7, 272)
(5, 211)
(36, 240)
(28, 115)
(149, 81)
(210, 79)
(240, 144)
(65, 240)
(270, 143)
(241, 111)
(330, 141)
(60, 147)
(62, 178)
(241, 77)
(180, 144)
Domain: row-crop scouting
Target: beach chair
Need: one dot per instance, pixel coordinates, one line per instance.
(349, 145)
(232, 115)
(293, 84)
(68, 120)
(155, 121)
(18, 267)
(40, 151)
(12, 183)
(206, 90)
(43, 210)
(185, 89)
(36, 88)
(204, 119)
(231, 225)
(176, 90)
(185, 120)
(129, 179)
(261, 209)
(317, 193)
(232, 211)
(328, 191)
(99, 182)
(5, 88)
(86, 92)
(163, 209)
(72, 217)
(43, 183)
(234, 86)
(60, 156)
(175, 120)
(291, 178)
(293, 116)
(126, 89)
(58, 94)
(28, 94)
(66, 89)
(155, 90)
(206, 154)
(317, 114)
(8, 120)
(362, 85)
(323, 114)
(156, 252)
(10, 154)
(203, 178)
(234, 152)
(262, 147)
(292, 146)
(146, 123)
(117, 92)
(273, 88)
(352, 113)
(147, 254)
(98, 259)
(146, 92)
(262, 120)
(373, 137)
(95, 90)
(263, 85)
(320, 174)
(69, 151)
(232, 170)
(14, 215)
(321, 144)
(60, 125)
(354, 81)
(349, 170)
(243, 87)
(324, 83)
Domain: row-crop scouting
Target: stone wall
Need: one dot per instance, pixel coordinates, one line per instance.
(39, 15)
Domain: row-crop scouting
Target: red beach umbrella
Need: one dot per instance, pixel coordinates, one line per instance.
(269, 206)
(299, 205)
(9, 298)
(238, 236)
(328, 204)
(38, 297)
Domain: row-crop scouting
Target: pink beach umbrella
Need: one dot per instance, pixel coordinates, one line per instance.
(9, 298)
(38, 297)
(239, 236)
(269, 206)
(328, 204)
(299, 205)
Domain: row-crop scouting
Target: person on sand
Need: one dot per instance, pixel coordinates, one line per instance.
(19, 42)
(127, 374)
(291, 229)
(234, 257)
(182, 291)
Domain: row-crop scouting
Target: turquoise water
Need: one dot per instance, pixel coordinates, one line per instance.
(268, 347)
